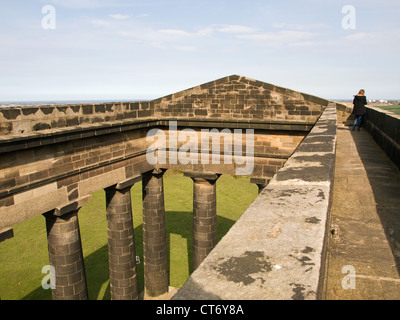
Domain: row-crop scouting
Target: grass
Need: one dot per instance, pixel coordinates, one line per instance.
(394, 109)
(22, 257)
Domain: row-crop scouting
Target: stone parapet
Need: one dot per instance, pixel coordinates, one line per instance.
(384, 126)
(27, 119)
(276, 249)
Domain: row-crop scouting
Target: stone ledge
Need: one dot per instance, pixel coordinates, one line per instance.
(269, 253)
(21, 141)
(45, 181)
(72, 206)
(276, 250)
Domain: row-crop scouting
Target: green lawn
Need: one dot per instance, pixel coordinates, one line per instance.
(394, 109)
(22, 257)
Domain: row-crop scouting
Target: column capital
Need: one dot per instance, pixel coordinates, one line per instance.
(70, 207)
(127, 183)
(260, 182)
(202, 175)
(156, 172)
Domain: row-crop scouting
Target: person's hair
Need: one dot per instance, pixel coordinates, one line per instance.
(361, 92)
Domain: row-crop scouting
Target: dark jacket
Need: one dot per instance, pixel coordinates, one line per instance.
(359, 103)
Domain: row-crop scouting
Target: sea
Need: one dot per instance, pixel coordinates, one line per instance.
(4, 104)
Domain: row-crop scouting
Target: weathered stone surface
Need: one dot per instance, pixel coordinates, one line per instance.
(65, 255)
(121, 244)
(232, 97)
(204, 215)
(52, 157)
(275, 249)
(364, 258)
(156, 273)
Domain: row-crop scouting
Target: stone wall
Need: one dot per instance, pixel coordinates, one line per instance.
(42, 171)
(41, 175)
(384, 126)
(17, 120)
(269, 151)
(52, 158)
(233, 97)
(53, 155)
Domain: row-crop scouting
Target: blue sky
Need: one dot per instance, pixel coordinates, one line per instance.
(120, 49)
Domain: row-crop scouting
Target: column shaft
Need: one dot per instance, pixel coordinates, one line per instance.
(121, 244)
(65, 255)
(204, 219)
(156, 275)
(204, 214)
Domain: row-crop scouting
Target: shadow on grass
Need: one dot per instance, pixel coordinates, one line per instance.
(96, 264)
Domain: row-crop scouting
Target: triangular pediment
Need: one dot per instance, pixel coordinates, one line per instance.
(243, 83)
(238, 97)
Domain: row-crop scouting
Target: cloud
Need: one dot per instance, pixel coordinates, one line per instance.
(280, 38)
(186, 34)
(180, 38)
(93, 4)
(365, 36)
(175, 32)
(205, 31)
(298, 26)
(236, 29)
(119, 16)
(187, 48)
(77, 4)
(100, 23)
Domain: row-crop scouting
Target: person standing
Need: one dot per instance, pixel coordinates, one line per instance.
(359, 109)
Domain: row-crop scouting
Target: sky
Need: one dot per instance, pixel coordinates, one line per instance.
(134, 50)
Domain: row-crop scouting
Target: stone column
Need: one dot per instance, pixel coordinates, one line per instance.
(156, 274)
(260, 182)
(204, 215)
(121, 244)
(65, 252)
